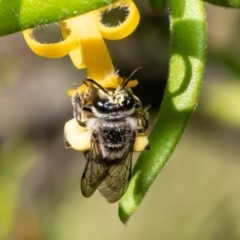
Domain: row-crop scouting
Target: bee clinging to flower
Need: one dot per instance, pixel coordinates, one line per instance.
(109, 124)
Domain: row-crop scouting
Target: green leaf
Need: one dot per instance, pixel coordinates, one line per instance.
(17, 15)
(225, 3)
(188, 43)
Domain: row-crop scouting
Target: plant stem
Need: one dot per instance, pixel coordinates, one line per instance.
(188, 43)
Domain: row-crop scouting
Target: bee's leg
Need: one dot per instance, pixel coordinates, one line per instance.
(80, 111)
(143, 119)
(143, 125)
(137, 102)
(77, 107)
(77, 114)
(142, 115)
(95, 137)
(65, 142)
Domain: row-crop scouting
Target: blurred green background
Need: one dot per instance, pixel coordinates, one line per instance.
(196, 196)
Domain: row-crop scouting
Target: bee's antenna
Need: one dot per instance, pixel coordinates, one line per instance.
(127, 80)
(96, 83)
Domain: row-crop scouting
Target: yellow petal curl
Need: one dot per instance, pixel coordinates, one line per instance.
(126, 27)
(53, 50)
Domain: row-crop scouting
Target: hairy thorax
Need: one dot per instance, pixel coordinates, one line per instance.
(114, 136)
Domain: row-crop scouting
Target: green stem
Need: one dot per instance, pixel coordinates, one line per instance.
(188, 43)
(225, 3)
(17, 15)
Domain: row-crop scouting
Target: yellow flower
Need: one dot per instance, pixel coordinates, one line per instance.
(83, 39)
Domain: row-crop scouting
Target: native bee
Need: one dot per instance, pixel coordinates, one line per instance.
(115, 118)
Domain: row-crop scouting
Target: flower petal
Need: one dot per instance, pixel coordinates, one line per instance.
(53, 50)
(94, 50)
(75, 54)
(126, 27)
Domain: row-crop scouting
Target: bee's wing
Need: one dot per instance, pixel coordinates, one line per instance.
(94, 173)
(117, 179)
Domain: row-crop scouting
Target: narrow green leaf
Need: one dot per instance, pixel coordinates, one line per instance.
(225, 3)
(188, 43)
(17, 15)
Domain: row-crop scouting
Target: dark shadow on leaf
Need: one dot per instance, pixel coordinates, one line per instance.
(185, 41)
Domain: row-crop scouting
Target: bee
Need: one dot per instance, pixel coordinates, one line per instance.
(115, 118)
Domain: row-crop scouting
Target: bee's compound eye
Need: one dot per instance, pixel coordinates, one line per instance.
(99, 104)
(129, 102)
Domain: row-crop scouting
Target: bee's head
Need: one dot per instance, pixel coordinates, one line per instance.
(108, 100)
(113, 100)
